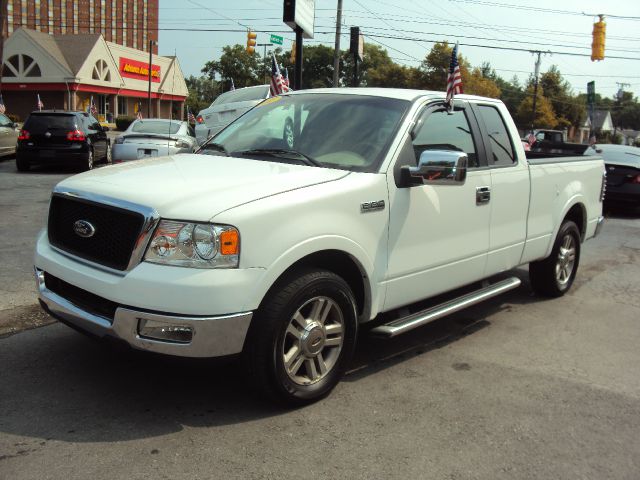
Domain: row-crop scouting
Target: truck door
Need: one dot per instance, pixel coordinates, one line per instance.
(509, 189)
(438, 234)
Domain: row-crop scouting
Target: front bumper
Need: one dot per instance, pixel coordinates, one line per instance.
(214, 336)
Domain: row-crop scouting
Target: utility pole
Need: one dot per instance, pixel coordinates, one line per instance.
(535, 88)
(336, 51)
(619, 95)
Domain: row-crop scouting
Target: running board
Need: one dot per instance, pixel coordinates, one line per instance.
(402, 325)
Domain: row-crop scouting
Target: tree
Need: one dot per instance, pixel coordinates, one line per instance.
(202, 91)
(476, 83)
(568, 110)
(545, 116)
(235, 63)
(511, 93)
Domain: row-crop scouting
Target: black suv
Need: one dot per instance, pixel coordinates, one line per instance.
(51, 137)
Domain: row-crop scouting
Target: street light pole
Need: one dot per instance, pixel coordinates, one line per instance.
(151, 44)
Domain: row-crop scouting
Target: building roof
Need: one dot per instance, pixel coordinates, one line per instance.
(600, 117)
(76, 48)
(49, 43)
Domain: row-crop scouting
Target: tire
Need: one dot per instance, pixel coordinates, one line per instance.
(306, 324)
(89, 162)
(107, 156)
(22, 165)
(553, 276)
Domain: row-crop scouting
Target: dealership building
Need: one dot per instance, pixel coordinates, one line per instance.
(67, 70)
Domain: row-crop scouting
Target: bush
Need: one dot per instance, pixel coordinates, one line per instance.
(122, 123)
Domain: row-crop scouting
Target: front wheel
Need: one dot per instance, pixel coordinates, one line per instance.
(302, 337)
(553, 276)
(107, 155)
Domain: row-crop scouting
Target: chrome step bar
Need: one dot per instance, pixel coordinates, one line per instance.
(402, 325)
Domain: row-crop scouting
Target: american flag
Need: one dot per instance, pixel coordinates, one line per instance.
(40, 105)
(531, 139)
(454, 79)
(139, 113)
(233, 87)
(2, 107)
(278, 84)
(93, 110)
(190, 116)
(286, 77)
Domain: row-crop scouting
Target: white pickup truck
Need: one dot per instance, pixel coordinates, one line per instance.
(306, 218)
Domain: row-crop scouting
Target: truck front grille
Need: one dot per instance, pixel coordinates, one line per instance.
(115, 230)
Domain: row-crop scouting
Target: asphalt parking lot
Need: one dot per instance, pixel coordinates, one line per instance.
(516, 388)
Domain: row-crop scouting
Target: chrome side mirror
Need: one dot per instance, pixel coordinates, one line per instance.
(437, 167)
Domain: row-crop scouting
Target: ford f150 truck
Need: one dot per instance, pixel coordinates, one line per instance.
(309, 216)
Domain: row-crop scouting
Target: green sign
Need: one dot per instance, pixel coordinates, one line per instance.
(591, 92)
(276, 39)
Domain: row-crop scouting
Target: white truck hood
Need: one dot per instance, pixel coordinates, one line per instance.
(197, 187)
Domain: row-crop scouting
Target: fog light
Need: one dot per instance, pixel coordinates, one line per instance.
(164, 332)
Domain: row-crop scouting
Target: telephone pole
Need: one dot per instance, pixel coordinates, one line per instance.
(535, 89)
(336, 51)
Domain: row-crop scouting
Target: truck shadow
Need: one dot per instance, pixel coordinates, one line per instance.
(62, 386)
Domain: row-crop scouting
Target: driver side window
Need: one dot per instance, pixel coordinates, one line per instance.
(441, 130)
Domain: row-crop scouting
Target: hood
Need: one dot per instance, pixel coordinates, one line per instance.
(197, 187)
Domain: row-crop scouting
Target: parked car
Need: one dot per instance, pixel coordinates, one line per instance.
(58, 137)
(622, 163)
(154, 137)
(226, 108)
(8, 136)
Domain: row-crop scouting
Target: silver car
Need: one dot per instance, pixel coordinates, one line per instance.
(153, 138)
(226, 108)
(8, 136)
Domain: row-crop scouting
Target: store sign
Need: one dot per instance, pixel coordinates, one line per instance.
(138, 70)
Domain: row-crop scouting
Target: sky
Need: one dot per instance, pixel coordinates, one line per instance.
(187, 29)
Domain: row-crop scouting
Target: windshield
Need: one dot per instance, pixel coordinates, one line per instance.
(155, 126)
(345, 131)
(41, 122)
(242, 95)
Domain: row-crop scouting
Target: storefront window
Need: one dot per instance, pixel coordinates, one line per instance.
(122, 106)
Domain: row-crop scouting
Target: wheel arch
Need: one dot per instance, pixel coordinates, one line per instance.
(577, 213)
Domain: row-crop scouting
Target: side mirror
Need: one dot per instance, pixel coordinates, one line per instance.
(106, 129)
(436, 167)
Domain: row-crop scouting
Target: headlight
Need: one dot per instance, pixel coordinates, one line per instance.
(198, 245)
(182, 144)
(119, 140)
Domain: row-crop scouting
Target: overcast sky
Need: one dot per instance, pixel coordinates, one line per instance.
(541, 25)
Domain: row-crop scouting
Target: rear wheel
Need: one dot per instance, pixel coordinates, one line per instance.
(302, 337)
(107, 156)
(88, 165)
(553, 276)
(22, 165)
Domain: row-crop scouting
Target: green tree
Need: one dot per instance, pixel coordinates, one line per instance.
(235, 63)
(511, 93)
(202, 91)
(545, 116)
(568, 109)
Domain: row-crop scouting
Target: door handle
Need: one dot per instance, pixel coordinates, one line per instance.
(483, 195)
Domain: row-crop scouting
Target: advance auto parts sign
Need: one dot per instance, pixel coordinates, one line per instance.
(138, 70)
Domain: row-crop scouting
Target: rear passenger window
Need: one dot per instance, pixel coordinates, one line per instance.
(444, 131)
(501, 147)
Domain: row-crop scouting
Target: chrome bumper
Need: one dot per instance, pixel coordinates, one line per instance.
(209, 336)
(599, 226)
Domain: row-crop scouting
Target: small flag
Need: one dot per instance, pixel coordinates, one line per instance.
(233, 87)
(454, 79)
(139, 112)
(592, 140)
(278, 85)
(2, 107)
(286, 77)
(190, 116)
(531, 139)
(40, 105)
(93, 110)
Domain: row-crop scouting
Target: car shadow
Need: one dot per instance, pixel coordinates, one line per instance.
(69, 388)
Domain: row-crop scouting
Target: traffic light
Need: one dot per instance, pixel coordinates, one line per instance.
(597, 46)
(292, 58)
(251, 42)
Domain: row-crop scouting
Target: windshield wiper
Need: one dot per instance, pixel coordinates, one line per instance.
(281, 153)
(214, 146)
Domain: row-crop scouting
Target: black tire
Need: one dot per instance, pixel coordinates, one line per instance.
(107, 155)
(22, 165)
(553, 276)
(284, 359)
(89, 163)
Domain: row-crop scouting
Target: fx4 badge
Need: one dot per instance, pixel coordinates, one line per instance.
(371, 206)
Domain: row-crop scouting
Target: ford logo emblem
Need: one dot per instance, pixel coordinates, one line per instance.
(84, 229)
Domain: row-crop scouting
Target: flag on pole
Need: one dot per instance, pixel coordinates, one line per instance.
(93, 110)
(531, 139)
(286, 77)
(2, 107)
(278, 85)
(233, 87)
(190, 116)
(454, 79)
(139, 112)
(40, 105)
